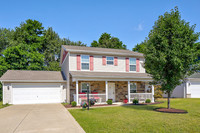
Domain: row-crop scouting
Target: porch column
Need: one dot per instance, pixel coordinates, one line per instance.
(152, 93)
(77, 92)
(129, 86)
(106, 90)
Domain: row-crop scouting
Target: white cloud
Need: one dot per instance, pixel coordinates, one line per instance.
(139, 27)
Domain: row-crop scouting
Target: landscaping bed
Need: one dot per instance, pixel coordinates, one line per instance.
(96, 105)
(144, 103)
(166, 110)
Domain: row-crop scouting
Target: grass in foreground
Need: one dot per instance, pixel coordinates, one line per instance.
(3, 105)
(141, 118)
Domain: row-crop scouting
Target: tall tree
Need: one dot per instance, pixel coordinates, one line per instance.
(171, 51)
(140, 47)
(31, 33)
(21, 57)
(107, 41)
(6, 38)
(52, 44)
(27, 53)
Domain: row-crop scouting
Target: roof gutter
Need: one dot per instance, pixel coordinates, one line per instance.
(100, 52)
(86, 76)
(33, 81)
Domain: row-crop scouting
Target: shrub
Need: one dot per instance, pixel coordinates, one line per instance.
(157, 92)
(92, 101)
(84, 105)
(73, 104)
(148, 101)
(109, 101)
(135, 101)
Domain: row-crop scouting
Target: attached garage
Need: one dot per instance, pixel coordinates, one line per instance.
(194, 90)
(33, 87)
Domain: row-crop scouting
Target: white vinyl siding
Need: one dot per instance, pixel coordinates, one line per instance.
(99, 67)
(132, 64)
(85, 62)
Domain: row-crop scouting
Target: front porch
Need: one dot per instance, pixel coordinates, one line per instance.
(101, 91)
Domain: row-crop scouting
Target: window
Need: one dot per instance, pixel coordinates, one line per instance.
(84, 87)
(85, 60)
(133, 88)
(132, 64)
(110, 60)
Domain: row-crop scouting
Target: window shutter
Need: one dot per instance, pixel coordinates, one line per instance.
(78, 62)
(115, 61)
(91, 63)
(127, 64)
(104, 60)
(137, 65)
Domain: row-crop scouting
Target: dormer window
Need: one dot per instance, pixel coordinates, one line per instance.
(109, 60)
(132, 64)
(85, 60)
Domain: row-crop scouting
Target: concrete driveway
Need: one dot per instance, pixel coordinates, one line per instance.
(37, 118)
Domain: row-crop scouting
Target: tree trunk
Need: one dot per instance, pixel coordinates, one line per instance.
(168, 102)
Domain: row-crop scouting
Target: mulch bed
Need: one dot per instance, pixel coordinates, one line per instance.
(97, 105)
(166, 110)
(145, 103)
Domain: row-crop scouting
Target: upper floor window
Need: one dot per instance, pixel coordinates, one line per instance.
(132, 64)
(110, 60)
(85, 60)
(133, 88)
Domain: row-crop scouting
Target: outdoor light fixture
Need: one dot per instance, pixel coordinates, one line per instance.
(8, 87)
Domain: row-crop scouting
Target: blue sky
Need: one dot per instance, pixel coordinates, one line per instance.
(86, 20)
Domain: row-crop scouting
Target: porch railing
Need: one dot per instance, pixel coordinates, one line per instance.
(140, 96)
(100, 98)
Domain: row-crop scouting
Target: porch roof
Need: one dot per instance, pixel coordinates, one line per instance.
(109, 75)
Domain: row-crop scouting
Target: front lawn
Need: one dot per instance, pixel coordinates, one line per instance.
(3, 105)
(141, 118)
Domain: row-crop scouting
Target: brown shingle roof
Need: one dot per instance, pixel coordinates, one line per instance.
(116, 75)
(26, 75)
(96, 50)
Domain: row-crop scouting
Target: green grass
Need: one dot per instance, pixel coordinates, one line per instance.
(3, 105)
(65, 103)
(141, 118)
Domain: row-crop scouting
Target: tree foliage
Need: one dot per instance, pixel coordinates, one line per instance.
(107, 41)
(171, 51)
(140, 47)
(52, 46)
(6, 39)
(53, 66)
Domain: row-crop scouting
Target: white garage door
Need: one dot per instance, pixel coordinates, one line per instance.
(195, 90)
(36, 93)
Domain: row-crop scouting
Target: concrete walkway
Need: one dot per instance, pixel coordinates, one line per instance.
(37, 118)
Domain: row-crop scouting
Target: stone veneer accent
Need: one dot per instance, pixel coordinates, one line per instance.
(95, 86)
(121, 90)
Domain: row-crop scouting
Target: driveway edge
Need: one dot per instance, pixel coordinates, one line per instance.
(75, 122)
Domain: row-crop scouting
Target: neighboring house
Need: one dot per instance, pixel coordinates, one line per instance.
(190, 89)
(107, 73)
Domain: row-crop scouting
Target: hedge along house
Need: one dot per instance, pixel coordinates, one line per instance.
(107, 73)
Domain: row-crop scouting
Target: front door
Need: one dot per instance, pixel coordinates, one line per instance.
(111, 91)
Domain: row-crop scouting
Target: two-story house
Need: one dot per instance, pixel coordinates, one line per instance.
(107, 74)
